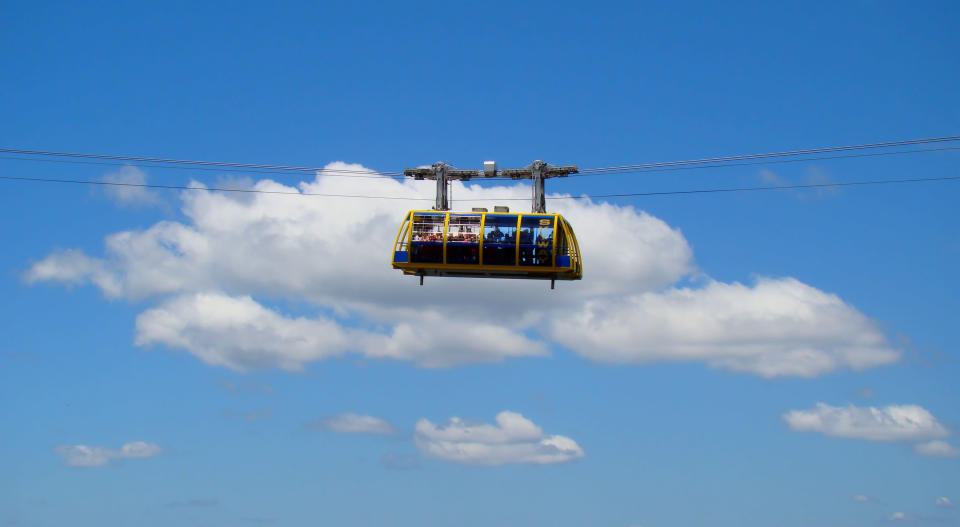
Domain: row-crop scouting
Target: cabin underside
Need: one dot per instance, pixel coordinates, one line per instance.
(525, 274)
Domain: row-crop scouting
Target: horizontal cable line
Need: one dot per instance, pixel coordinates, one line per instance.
(186, 161)
(586, 171)
(583, 196)
(738, 189)
(216, 189)
(808, 151)
(400, 178)
(326, 172)
(767, 162)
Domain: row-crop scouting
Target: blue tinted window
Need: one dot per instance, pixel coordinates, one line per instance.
(500, 240)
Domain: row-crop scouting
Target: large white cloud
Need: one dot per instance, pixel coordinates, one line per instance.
(776, 327)
(241, 334)
(212, 272)
(891, 423)
(513, 439)
(98, 456)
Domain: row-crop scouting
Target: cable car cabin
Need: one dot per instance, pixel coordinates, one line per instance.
(487, 245)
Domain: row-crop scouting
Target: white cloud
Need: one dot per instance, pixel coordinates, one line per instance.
(513, 439)
(943, 501)
(775, 328)
(75, 268)
(206, 271)
(349, 423)
(899, 516)
(97, 456)
(238, 333)
(890, 423)
(861, 498)
(241, 334)
(123, 187)
(937, 448)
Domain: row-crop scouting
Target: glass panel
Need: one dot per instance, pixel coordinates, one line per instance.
(562, 249)
(536, 240)
(427, 243)
(500, 240)
(463, 239)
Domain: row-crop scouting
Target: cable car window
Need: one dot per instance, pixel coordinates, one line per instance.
(536, 240)
(426, 244)
(563, 258)
(463, 239)
(500, 240)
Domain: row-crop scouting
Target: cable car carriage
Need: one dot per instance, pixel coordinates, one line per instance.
(482, 244)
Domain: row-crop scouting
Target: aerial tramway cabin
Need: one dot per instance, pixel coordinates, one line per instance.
(487, 244)
(482, 244)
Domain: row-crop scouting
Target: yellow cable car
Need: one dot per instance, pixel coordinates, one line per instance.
(482, 244)
(487, 244)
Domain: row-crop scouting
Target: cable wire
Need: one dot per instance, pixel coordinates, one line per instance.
(401, 178)
(188, 162)
(216, 189)
(809, 151)
(326, 172)
(586, 171)
(767, 162)
(582, 196)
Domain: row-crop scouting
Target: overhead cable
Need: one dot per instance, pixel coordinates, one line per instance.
(191, 162)
(582, 196)
(326, 172)
(215, 189)
(393, 174)
(770, 162)
(374, 175)
(809, 151)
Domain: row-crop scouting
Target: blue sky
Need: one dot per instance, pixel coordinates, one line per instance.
(762, 358)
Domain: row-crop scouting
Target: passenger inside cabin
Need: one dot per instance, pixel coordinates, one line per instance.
(526, 236)
(495, 235)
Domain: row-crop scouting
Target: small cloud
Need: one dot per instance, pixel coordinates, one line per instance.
(97, 456)
(891, 423)
(899, 516)
(513, 439)
(193, 502)
(937, 449)
(816, 176)
(349, 423)
(943, 501)
(867, 393)
(861, 498)
(771, 177)
(399, 462)
(126, 187)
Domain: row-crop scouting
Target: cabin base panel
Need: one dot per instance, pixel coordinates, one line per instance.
(459, 273)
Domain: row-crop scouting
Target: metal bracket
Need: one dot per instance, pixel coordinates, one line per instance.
(539, 198)
(440, 172)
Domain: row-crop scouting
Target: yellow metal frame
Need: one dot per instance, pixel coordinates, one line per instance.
(404, 240)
